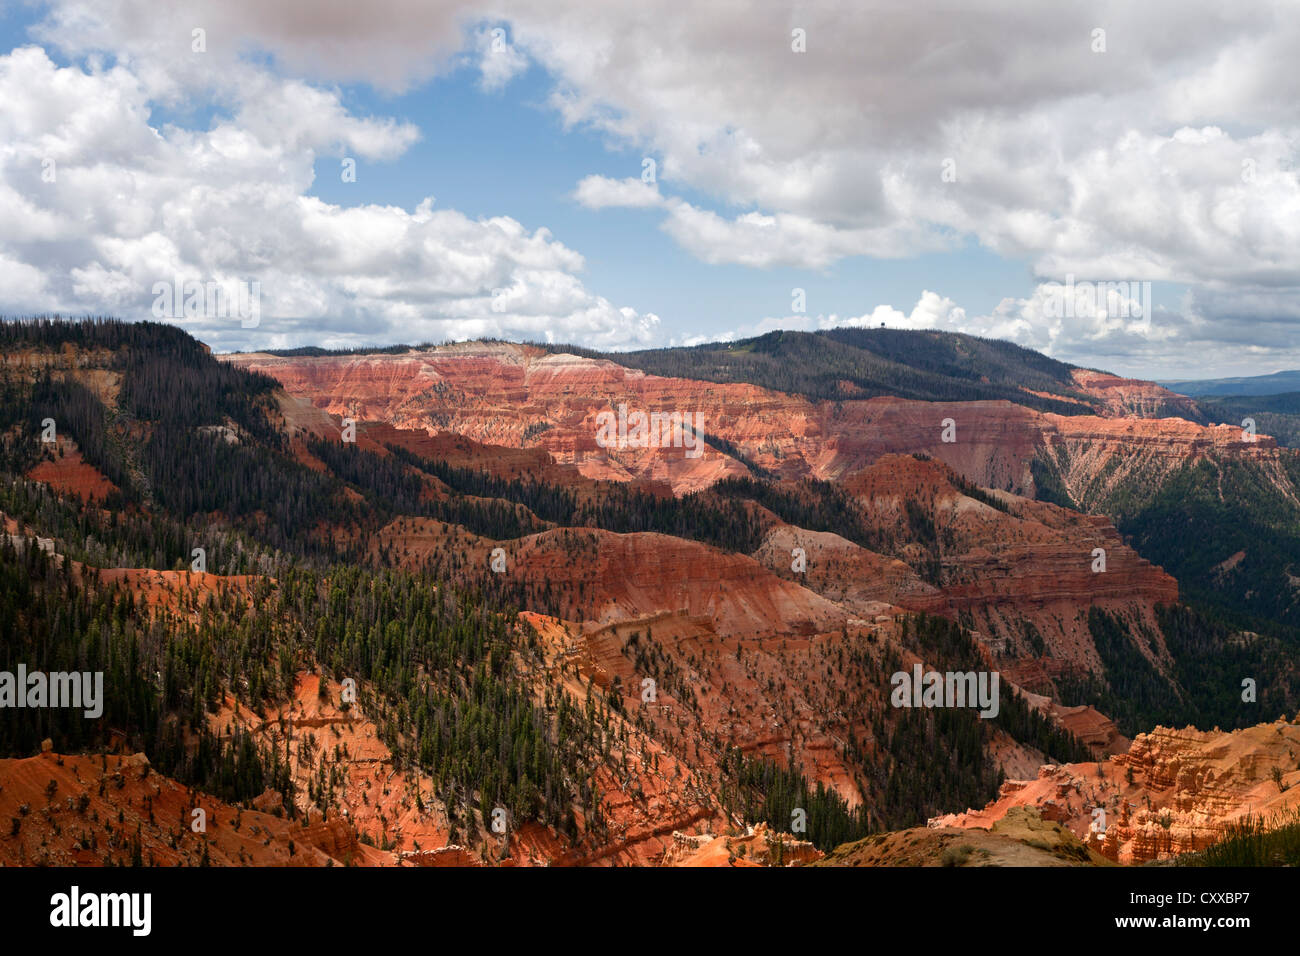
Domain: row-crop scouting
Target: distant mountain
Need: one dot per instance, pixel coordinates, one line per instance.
(1274, 384)
(839, 364)
(845, 364)
(1277, 415)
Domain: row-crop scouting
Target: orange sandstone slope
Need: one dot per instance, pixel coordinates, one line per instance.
(1131, 397)
(111, 809)
(398, 815)
(1173, 791)
(632, 575)
(97, 810)
(520, 396)
(67, 473)
(758, 653)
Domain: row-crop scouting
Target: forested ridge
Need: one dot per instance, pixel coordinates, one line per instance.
(439, 668)
(850, 363)
(196, 452)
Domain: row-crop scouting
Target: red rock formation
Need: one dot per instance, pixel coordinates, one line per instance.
(1035, 566)
(632, 575)
(759, 846)
(1173, 791)
(519, 396)
(69, 807)
(1131, 397)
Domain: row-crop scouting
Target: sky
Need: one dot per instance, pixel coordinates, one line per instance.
(1114, 184)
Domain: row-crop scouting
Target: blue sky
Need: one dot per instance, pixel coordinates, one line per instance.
(775, 171)
(507, 153)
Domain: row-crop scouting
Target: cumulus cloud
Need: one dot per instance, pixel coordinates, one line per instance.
(1170, 155)
(932, 311)
(760, 240)
(601, 192)
(98, 206)
(1112, 325)
(393, 44)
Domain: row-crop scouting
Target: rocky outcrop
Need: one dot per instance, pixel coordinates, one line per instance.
(1132, 397)
(1172, 792)
(1095, 457)
(757, 846)
(1023, 837)
(852, 576)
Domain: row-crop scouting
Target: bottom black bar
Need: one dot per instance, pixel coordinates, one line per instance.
(372, 906)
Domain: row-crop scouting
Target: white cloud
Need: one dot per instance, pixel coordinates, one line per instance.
(932, 311)
(1174, 155)
(499, 60)
(131, 205)
(393, 44)
(1102, 327)
(601, 192)
(760, 240)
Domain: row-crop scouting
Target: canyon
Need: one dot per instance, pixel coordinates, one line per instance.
(726, 622)
(1028, 564)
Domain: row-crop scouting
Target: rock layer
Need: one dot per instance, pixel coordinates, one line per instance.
(1173, 791)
